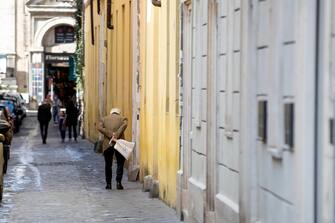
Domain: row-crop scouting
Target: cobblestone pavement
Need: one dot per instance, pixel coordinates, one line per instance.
(65, 183)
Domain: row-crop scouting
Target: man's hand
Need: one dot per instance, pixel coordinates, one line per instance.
(114, 137)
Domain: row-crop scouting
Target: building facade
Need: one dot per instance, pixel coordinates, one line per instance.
(230, 102)
(325, 117)
(39, 39)
(51, 42)
(131, 62)
(159, 97)
(108, 66)
(8, 44)
(257, 111)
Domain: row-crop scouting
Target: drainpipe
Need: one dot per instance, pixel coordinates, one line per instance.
(180, 172)
(92, 22)
(181, 79)
(15, 46)
(109, 15)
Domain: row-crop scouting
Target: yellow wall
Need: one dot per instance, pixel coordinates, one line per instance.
(91, 83)
(110, 56)
(159, 117)
(159, 54)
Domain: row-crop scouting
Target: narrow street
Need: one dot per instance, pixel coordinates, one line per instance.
(65, 183)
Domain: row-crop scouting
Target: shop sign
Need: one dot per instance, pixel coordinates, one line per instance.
(57, 58)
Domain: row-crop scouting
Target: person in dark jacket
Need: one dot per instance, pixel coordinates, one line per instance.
(62, 124)
(44, 117)
(72, 119)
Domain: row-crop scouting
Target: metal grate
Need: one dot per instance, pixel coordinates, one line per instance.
(289, 124)
(262, 121)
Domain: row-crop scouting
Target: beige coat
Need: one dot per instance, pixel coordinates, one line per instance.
(110, 124)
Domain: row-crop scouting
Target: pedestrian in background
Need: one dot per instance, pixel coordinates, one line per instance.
(55, 109)
(62, 124)
(44, 117)
(72, 119)
(112, 127)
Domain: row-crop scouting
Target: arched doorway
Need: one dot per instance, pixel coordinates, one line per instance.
(60, 78)
(52, 61)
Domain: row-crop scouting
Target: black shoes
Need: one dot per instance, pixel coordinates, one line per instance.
(44, 142)
(119, 186)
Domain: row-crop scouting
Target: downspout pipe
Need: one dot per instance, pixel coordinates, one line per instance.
(92, 22)
(181, 80)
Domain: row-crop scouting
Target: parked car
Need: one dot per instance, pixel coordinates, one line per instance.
(4, 127)
(13, 112)
(19, 102)
(2, 165)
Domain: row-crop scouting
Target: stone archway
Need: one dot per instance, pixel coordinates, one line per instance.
(37, 74)
(40, 33)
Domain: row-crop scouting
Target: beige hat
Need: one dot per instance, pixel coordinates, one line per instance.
(116, 110)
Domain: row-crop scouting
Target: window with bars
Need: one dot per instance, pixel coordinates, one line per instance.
(262, 121)
(331, 131)
(289, 124)
(64, 34)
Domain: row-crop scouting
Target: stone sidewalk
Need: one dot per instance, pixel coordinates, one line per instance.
(65, 183)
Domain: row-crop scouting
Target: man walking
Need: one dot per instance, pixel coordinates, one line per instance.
(55, 109)
(44, 117)
(72, 119)
(112, 127)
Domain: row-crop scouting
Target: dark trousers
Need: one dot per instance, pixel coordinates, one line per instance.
(55, 114)
(62, 134)
(74, 128)
(44, 130)
(108, 154)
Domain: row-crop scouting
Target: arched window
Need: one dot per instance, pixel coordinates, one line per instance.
(64, 34)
